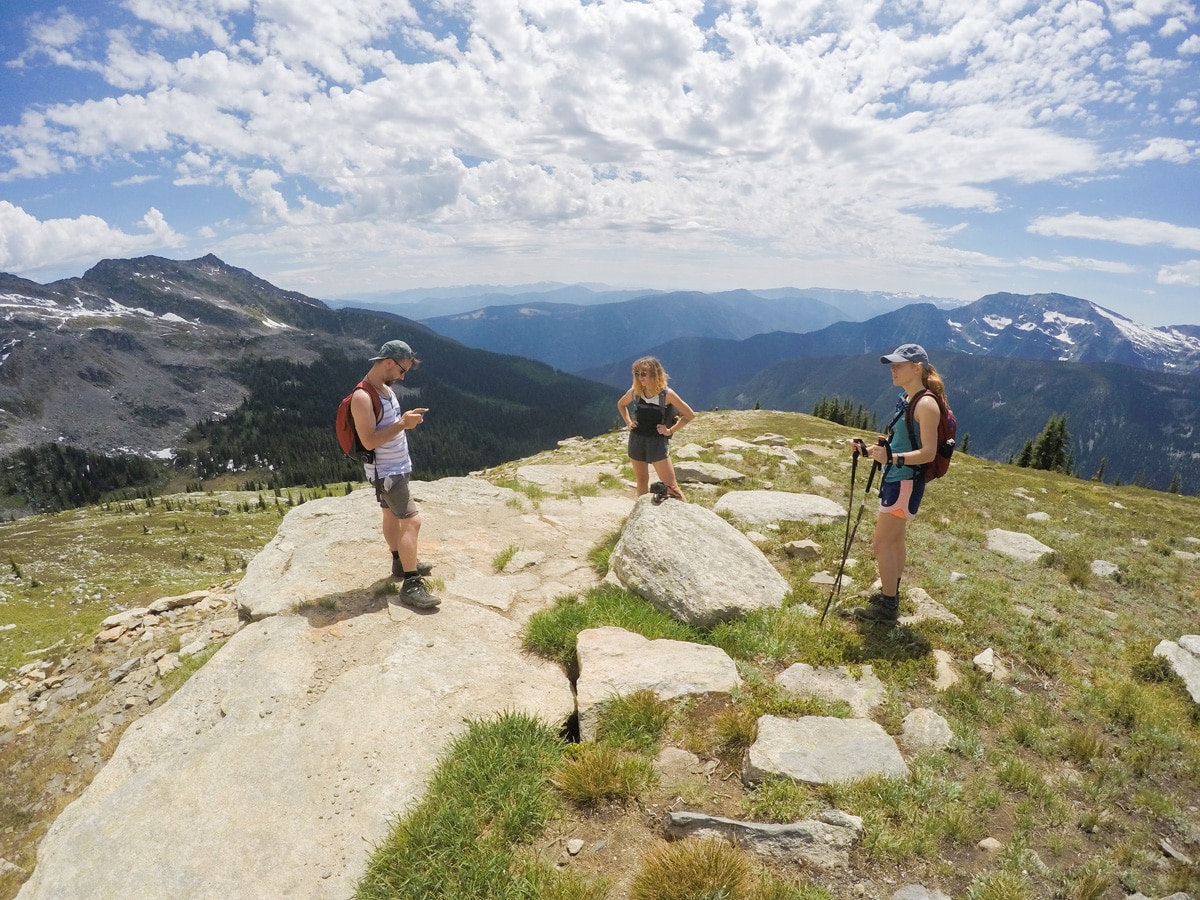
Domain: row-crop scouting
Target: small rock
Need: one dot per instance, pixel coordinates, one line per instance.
(574, 846)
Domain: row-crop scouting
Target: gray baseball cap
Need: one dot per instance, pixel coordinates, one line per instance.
(906, 353)
(394, 350)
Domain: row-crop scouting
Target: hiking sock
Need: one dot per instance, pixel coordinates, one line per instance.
(889, 603)
(408, 575)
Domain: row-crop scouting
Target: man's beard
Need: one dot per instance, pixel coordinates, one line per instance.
(389, 381)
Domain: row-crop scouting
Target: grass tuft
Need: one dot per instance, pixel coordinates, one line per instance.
(693, 870)
(591, 773)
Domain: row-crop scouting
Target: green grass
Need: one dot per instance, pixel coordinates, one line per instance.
(501, 559)
(488, 796)
(1085, 757)
(66, 572)
(552, 632)
(633, 722)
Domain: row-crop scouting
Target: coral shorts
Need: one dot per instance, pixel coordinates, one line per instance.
(901, 498)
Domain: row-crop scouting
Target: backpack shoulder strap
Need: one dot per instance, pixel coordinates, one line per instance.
(910, 411)
(376, 401)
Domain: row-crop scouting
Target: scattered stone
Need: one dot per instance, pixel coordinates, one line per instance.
(803, 550)
(1019, 546)
(124, 619)
(1170, 851)
(988, 663)
(706, 473)
(821, 750)
(692, 564)
(1103, 569)
(826, 579)
(918, 892)
(823, 842)
(165, 604)
(945, 673)
(762, 507)
(687, 451)
(990, 845)
(728, 444)
(110, 635)
(8, 868)
(574, 846)
(560, 479)
(1038, 517)
(616, 662)
(775, 440)
(862, 692)
(923, 730)
(1184, 659)
(676, 766)
(927, 610)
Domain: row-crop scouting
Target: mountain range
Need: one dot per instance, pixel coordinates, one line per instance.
(227, 374)
(1122, 385)
(207, 363)
(575, 337)
(441, 303)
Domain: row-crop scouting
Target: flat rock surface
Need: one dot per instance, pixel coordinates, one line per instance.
(292, 750)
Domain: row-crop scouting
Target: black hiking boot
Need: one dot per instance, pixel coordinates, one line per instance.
(413, 593)
(660, 492)
(423, 568)
(879, 611)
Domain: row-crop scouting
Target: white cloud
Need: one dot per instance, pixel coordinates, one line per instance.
(1138, 232)
(525, 131)
(1190, 46)
(1186, 274)
(26, 243)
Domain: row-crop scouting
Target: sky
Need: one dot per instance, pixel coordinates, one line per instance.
(950, 148)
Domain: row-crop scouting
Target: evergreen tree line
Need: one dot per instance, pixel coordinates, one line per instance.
(846, 412)
(282, 434)
(53, 477)
(1052, 451)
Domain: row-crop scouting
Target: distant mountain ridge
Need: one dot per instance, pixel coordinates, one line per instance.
(206, 363)
(573, 337)
(1130, 392)
(423, 304)
(576, 337)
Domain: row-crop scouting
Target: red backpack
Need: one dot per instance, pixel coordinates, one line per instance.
(343, 423)
(946, 433)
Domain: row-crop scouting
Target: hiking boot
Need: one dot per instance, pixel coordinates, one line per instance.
(878, 611)
(660, 492)
(413, 593)
(423, 568)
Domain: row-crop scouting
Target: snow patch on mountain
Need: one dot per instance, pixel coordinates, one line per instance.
(1151, 340)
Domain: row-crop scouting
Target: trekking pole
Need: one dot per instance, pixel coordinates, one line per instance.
(848, 541)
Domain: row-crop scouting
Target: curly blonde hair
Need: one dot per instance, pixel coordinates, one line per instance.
(658, 376)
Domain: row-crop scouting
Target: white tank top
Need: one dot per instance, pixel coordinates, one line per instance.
(391, 458)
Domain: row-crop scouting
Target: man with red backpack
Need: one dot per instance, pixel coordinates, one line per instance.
(387, 464)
